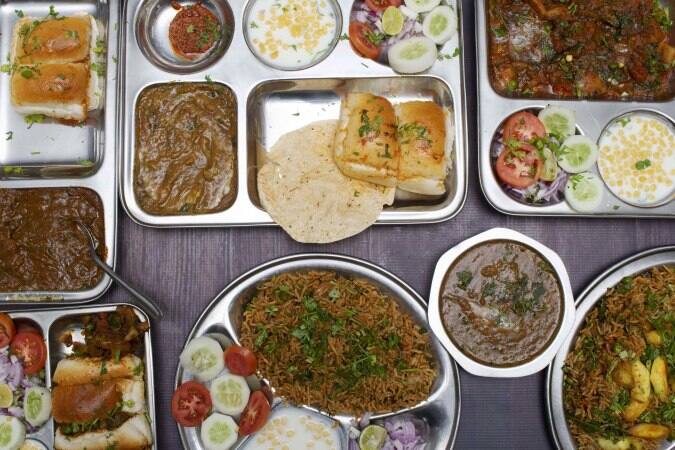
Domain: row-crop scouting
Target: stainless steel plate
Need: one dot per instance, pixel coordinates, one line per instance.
(53, 323)
(471, 365)
(262, 90)
(585, 302)
(592, 118)
(64, 148)
(223, 316)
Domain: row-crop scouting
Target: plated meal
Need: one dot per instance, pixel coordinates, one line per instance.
(404, 35)
(41, 247)
(98, 398)
(186, 143)
(265, 109)
(582, 49)
(337, 186)
(617, 388)
(313, 355)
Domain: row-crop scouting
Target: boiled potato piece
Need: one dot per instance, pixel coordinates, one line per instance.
(654, 338)
(608, 444)
(634, 409)
(659, 378)
(642, 388)
(649, 431)
(622, 374)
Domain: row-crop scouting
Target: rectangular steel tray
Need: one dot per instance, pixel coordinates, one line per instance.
(53, 323)
(313, 93)
(71, 149)
(592, 117)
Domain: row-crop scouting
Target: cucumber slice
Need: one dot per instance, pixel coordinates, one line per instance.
(559, 121)
(372, 437)
(420, 6)
(584, 192)
(203, 358)
(229, 394)
(577, 154)
(440, 25)
(12, 433)
(219, 432)
(550, 171)
(413, 55)
(37, 405)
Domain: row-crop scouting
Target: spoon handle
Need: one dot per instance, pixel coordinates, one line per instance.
(152, 307)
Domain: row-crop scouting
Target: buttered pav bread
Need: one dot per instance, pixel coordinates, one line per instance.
(365, 142)
(57, 66)
(422, 142)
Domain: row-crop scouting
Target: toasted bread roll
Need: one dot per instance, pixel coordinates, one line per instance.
(365, 143)
(72, 371)
(422, 141)
(134, 434)
(86, 402)
(53, 41)
(56, 90)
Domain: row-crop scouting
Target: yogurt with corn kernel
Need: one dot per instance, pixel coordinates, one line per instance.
(293, 429)
(637, 159)
(292, 34)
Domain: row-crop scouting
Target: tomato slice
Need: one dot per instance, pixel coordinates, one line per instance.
(519, 166)
(381, 5)
(359, 34)
(523, 127)
(240, 360)
(255, 414)
(190, 404)
(7, 330)
(30, 348)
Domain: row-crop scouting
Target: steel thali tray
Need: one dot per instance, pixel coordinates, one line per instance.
(593, 116)
(585, 303)
(271, 102)
(52, 155)
(52, 323)
(223, 317)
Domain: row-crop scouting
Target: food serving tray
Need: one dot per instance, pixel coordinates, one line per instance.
(223, 316)
(271, 102)
(585, 302)
(69, 156)
(52, 323)
(592, 118)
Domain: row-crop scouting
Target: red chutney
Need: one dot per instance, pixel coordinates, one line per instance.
(194, 30)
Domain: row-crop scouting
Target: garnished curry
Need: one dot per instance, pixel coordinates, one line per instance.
(581, 49)
(501, 303)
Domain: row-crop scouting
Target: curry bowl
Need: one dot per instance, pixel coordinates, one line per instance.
(501, 304)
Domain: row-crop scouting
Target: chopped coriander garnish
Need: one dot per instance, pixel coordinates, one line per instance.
(99, 68)
(643, 164)
(190, 28)
(32, 119)
(208, 79)
(19, 13)
(344, 37)
(52, 11)
(9, 134)
(86, 163)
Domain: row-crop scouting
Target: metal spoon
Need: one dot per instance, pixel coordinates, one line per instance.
(149, 304)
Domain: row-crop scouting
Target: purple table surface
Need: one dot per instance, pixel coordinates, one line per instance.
(185, 268)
